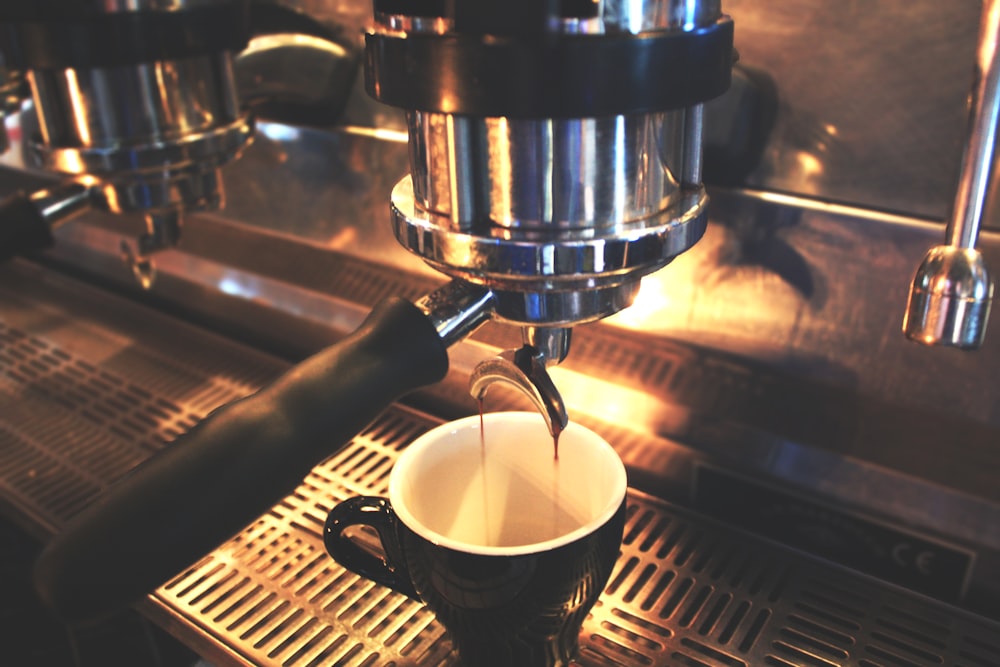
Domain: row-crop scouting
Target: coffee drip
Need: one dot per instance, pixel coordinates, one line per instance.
(527, 531)
(555, 429)
(523, 369)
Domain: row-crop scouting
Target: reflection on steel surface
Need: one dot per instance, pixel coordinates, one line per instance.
(877, 130)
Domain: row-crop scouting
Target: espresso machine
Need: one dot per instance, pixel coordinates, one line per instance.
(496, 181)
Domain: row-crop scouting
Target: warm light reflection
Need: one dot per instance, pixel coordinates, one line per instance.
(382, 134)
(652, 297)
(499, 162)
(68, 161)
(283, 41)
(344, 239)
(809, 165)
(654, 307)
(166, 85)
(111, 199)
(79, 106)
(613, 403)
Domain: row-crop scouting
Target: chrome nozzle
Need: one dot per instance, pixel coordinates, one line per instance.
(952, 291)
(950, 299)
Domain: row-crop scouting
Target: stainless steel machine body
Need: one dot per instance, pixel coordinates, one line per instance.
(760, 379)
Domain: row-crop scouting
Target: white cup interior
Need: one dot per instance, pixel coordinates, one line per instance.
(508, 495)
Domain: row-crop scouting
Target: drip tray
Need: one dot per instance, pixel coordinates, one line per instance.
(684, 591)
(91, 385)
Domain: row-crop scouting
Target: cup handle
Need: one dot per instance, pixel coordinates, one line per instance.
(376, 513)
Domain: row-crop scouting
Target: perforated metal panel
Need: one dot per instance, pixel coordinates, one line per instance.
(275, 592)
(71, 427)
(685, 591)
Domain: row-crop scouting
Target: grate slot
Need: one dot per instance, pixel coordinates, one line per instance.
(833, 653)
(697, 602)
(888, 657)
(832, 606)
(911, 633)
(715, 613)
(639, 583)
(907, 647)
(729, 631)
(980, 651)
(272, 614)
(712, 654)
(283, 633)
(818, 632)
(800, 656)
(818, 613)
(608, 651)
(680, 591)
(755, 630)
(661, 585)
(774, 661)
(637, 640)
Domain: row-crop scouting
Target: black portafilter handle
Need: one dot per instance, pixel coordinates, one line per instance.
(27, 220)
(235, 465)
(23, 228)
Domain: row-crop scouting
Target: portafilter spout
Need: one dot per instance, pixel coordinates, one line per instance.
(951, 294)
(524, 370)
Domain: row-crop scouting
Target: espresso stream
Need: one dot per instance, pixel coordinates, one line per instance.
(524, 526)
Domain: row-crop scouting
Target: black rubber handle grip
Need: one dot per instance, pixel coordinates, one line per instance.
(23, 228)
(233, 466)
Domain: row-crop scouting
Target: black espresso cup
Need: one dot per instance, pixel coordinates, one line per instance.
(509, 546)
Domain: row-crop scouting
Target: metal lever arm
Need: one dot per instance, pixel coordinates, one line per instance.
(234, 465)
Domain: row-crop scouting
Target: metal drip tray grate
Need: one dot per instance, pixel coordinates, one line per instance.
(685, 591)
